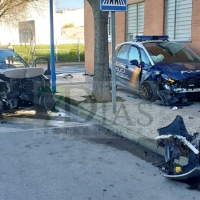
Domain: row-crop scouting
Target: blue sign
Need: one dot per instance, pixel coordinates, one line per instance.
(113, 5)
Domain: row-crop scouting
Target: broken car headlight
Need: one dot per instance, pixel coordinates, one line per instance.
(167, 78)
(157, 72)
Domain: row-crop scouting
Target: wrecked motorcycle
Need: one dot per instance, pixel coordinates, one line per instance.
(179, 143)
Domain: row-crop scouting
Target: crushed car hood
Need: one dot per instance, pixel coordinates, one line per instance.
(22, 72)
(179, 71)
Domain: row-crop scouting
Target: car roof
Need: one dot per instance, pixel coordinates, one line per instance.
(3, 49)
(140, 43)
(143, 39)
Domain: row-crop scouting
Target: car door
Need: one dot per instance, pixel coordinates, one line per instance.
(146, 65)
(121, 64)
(133, 68)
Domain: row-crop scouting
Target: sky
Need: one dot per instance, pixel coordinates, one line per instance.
(65, 4)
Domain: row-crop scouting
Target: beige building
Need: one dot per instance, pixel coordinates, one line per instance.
(42, 27)
(73, 34)
(177, 18)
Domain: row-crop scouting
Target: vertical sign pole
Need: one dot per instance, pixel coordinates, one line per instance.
(113, 62)
(53, 74)
(112, 6)
(78, 49)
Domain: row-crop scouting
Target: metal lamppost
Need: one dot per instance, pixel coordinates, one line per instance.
(53, 74)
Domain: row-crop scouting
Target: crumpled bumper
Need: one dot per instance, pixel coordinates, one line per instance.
(169, 98)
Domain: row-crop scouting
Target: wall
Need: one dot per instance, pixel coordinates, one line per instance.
(72, 35)
(153, 25)
(89, 38)
(75, 16)
(195, 44)
(42, 26)
(154, 17)
(89, 35)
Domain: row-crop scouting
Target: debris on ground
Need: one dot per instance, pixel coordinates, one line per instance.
(179, 144)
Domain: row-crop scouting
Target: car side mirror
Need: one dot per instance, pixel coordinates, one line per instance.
(134, 62)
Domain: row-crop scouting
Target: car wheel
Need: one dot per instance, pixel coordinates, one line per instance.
(46, 103)
(39, 108)
(49, 102)
(148, 90)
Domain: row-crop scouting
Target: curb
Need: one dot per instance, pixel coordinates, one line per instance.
(116, 128)
(69, 63)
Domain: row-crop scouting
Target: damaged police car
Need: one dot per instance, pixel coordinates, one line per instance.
(158, 70)
(22, 85)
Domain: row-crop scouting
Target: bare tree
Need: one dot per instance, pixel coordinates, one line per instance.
(13, 11)
(101, 83)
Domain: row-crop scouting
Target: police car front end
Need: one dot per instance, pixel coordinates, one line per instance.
(175, 68)
(178, 86)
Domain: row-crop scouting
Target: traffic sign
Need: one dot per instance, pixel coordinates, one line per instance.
(26, 31)
(113, 5)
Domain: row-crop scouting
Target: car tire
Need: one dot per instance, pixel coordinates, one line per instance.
(39, 108)
(149, 91)
(49, 102)
(46, 103)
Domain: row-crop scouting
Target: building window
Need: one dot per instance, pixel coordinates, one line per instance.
(135, 20)
(178, 19)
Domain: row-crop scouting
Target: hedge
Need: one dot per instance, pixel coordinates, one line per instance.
(63, 52)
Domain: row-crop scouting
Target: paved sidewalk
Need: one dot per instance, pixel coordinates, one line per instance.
(135, 119)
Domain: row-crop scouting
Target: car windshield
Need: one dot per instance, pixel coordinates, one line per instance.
(9, 59)
(170, 52)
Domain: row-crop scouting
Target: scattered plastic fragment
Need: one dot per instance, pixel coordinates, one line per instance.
(174, 108)
(179, 143)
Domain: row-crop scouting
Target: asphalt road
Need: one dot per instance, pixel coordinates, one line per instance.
(70, 69)
(72, 75)
(60, 156)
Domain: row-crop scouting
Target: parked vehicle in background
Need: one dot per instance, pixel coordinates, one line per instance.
(158, 69)
(22, 85)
